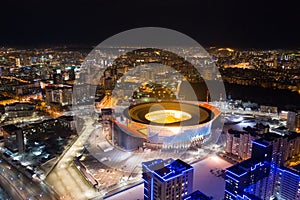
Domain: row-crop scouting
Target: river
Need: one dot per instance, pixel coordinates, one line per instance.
(283, 99)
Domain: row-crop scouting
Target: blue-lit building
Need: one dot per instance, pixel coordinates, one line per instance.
(197, 195)
(264, 176)
(167, 179)
(246, 180)
(289, 183)
(249, 179)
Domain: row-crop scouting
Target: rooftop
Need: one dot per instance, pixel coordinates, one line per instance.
(243, 167)
(197, 195)
(167, 169)
(67, 118)
(10, 128)
(156, 164)
(292, 170)
(262, 142)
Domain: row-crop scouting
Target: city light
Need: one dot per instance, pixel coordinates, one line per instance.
(78, 125)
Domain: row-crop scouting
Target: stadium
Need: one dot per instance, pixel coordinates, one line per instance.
(164, 125)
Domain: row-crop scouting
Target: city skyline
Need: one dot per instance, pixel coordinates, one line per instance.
(134, 100)
(254, 24)
(99, 116)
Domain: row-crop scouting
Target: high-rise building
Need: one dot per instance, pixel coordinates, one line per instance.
(291, 120)
(248, 179)
(167, 179)
(239, 143)
(18, 62)
(297, 123)
(289, 183)
(264, 175)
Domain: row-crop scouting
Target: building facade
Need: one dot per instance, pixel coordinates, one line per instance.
(167, 179)
(293, 121)
(239, 143)
(265, 175)
(13, 138)
(60, 94)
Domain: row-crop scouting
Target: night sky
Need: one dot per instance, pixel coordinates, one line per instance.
(241, 24)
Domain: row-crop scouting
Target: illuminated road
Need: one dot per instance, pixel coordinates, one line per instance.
(65, 178)
(17, 79)
(70, 184)
(22, 187)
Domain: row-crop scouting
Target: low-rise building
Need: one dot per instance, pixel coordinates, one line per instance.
(13, 138)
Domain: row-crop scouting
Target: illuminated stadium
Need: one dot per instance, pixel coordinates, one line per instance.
(164, 125)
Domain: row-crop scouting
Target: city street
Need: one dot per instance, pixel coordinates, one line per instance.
(68, 182)
(22, 186)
